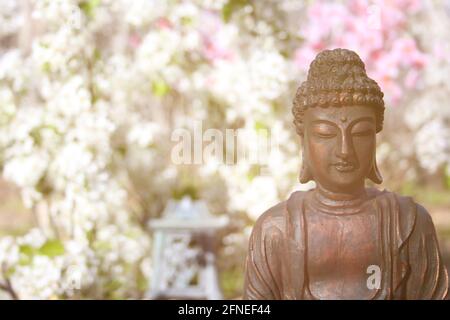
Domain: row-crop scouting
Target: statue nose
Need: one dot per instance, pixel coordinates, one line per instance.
(344, 149)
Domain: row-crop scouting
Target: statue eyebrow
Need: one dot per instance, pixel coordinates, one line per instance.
(369, 119)
(319, 121)
(324, 122)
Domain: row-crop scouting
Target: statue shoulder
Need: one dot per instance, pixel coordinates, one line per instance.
(412, 214)
(423, 220)
(273, 218)
(409, 205)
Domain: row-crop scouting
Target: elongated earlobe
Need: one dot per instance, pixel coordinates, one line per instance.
(305, 173)
(375, 174)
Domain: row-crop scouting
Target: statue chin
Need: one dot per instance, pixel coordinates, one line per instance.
(341, 240)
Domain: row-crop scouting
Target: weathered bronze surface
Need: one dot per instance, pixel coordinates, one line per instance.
(342, 240)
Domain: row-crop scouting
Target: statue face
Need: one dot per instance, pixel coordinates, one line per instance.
(340, 145)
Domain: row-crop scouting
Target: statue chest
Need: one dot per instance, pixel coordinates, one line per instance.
(340, 251)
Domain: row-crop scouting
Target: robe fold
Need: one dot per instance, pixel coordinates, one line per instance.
(412, 265)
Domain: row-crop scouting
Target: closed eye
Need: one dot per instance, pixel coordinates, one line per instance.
(362, 133)
(325, 135)
(324, 129)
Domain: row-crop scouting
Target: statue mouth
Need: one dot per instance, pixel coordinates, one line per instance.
(344, 166)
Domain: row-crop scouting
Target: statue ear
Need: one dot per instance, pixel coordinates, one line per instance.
(374, 173)
(305, 173)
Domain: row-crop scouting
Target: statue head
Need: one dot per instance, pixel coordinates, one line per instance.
(337, 111)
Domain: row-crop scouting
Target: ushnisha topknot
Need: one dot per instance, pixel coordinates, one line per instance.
(337, 78)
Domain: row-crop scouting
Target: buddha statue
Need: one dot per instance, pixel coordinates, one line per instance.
(343, 240)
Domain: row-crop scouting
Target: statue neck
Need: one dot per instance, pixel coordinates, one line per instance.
(339, 202)
(358, 193)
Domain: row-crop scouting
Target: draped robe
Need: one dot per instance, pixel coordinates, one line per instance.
(276, 267)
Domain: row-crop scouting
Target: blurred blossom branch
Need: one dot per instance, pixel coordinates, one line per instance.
(6, 284)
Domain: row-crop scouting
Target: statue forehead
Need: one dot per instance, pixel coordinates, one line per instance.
(339, 114)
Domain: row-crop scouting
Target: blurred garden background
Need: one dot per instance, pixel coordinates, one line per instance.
(92, 90)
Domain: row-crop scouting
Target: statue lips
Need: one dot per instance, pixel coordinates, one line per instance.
(344, 166)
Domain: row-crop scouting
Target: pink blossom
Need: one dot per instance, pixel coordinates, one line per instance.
(412, 79)
(213, 50)
(134, 41)
(215, 46)
(303, 57)
(164, 23)
(411, 6)
(211, 23)
(389, 85)
(376, 30)
(358, 7)
(408, 52)
(440, 52)
(392, 18)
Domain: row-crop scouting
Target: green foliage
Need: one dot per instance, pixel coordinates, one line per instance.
(89, 6)
(231, 7)
(9, 272)
(97, 55)
(253, 172)
(36, 133)
(262, 129)
(232, 282)
(46, 67)
(160, 88)
(27, 252)
(259, 125)
(43, 186)
(112, 288)
(26, 249)
(186, 21)
(447, 178)
(51, 248)
(426, 195)
(186, 190)
(141, 281)
(36, 136)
